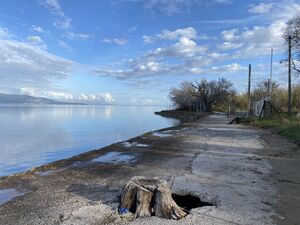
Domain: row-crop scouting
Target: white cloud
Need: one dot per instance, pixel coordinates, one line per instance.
(181, 53)
(183, 48)
(4, 33)
(258, 40)
(77, 36)
(27, 91)
(106, 40)
(36, 41)
(284, 10)
(167, 7)
(117, 41)
(255, 41)
(188, 32)
(46, 94)
(37, 29)
(147, 39)
(65, 46)
(25, 64)
(260, 8)
(59, 95)
(120, 41)
(189, 57)
(91, 98)
(149, 66)
(172, 7)
(97, 98)
(138, 68)
(277, 10)
(227, 69)
(227, 45)
(230, 35)
(61, 20)
(223, 1)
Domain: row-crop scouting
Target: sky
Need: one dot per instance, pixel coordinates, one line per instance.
(131, 52)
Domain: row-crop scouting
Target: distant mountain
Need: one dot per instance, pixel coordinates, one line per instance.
(26, 99)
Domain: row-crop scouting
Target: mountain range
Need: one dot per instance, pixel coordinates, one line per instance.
(27, 99)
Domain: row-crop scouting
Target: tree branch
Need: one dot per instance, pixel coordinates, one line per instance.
(295, 68)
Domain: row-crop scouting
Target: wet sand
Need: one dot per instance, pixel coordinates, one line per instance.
(251, 176)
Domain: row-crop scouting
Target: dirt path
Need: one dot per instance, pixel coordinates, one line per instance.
(250, 176)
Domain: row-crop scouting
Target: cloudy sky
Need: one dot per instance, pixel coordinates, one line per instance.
(134, 51)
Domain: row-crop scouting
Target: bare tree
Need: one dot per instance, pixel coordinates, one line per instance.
(183, 97)
(212, 94)
(293, 30)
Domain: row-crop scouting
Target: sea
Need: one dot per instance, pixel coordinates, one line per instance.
(33, 135)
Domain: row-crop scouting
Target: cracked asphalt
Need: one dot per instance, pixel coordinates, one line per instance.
(251, 176)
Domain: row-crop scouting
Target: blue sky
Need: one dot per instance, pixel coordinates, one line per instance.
(134, 51)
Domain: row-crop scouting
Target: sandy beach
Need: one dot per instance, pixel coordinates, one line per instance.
(248, 175)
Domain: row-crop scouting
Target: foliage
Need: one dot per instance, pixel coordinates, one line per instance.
(217, 94)
(279, 97)
(241, 102)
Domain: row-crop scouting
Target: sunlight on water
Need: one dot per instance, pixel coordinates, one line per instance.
(35, 135)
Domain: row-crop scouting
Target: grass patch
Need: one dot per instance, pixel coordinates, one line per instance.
(287, 126)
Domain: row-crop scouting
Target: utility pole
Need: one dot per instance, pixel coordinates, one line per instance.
(289, 78)
(249, 90)
(271, 73)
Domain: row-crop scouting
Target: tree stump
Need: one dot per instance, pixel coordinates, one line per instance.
(150, 197)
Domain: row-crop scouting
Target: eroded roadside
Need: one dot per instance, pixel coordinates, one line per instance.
(231, 166)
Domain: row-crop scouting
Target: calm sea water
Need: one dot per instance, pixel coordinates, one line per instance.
(34, 135)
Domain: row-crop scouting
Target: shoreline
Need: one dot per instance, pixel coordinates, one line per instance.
(185, 117)
(32, 165)
(85, 188)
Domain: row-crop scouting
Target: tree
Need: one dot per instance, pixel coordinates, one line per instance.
(279, 95)
(293, 30)
(212, 95)
(262, 89)
(183, 97)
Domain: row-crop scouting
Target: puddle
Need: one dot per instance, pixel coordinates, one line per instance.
(158, 134)
(114, 157)
(128, 144)
(134, 144)
(48, 172)
(8, 194)
(170, 131)
(142, 145)
(189, 202)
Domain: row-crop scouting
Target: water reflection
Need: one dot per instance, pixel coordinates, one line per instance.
(8, 194)
(34, 135)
